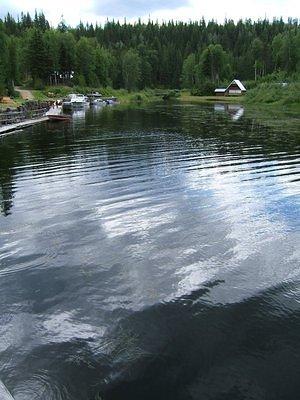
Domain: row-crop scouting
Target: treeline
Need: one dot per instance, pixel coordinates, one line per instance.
(140, 55)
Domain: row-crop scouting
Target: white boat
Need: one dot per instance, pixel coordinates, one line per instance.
(95, 98)
(110, 100)
(75, 100)
(96, 101)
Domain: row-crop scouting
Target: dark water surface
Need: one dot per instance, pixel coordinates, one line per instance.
(151, 253)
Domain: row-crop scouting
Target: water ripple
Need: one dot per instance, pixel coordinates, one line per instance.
(164, 241)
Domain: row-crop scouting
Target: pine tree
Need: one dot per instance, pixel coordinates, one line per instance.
(188, 72)
(37, 56)
(214, 63)
(85, 60)
(3, 61)
(131, 70)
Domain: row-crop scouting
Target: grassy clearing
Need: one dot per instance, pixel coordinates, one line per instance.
(40, 95)
(185, 96)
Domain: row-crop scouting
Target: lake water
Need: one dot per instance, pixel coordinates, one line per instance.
(151, 253)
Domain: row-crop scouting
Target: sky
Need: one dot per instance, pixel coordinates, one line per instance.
(74, 11)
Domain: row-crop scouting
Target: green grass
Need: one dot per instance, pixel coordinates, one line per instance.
(185, 96)
(275, 94)
(266, 93)
(143, 96)
(15, 102)
(39, 95)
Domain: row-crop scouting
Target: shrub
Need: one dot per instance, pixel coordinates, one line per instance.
(38, 84)
(2, 89)
(171, 94)
(205, 88)
(16, 95)
(81, 80)
(138, 97)
(275, 93)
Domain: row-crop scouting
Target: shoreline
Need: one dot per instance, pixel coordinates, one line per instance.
(151, 96)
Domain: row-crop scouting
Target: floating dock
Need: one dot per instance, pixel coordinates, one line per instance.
(21, 125)
(4, 393)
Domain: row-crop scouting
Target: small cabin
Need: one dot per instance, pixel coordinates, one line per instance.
(235, 88)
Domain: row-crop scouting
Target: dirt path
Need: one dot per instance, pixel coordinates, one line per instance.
(25, 94)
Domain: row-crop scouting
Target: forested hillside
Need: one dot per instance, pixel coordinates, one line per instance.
(131, 56)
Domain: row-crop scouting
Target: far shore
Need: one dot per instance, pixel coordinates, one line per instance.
(141, 97)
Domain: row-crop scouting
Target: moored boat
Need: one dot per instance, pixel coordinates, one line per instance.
(59, 117)
(95, 98)
(110, 100)
(75, 100)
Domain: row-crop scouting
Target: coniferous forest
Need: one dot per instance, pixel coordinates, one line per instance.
(144, 55)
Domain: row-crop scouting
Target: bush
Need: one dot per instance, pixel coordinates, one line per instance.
(171, 94)
(57, 91)
(275, 93)
(38, 84)
(205, 88)
(278, 76)
(16, 95)
(11, 91)
(81, 80)
(137, 97)
(28, 84)
(196, 92)
(2, 90)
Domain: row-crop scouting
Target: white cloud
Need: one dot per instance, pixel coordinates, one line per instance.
(92, 11)
(231, 9)
(54, 9)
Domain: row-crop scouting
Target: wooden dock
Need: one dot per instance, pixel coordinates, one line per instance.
(30, 113)
(4, 393)
(22, 124)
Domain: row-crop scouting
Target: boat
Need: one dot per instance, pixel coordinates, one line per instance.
(75, 100)
(95, 98)
(59, 117)
(110, 100)
(55, 114)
